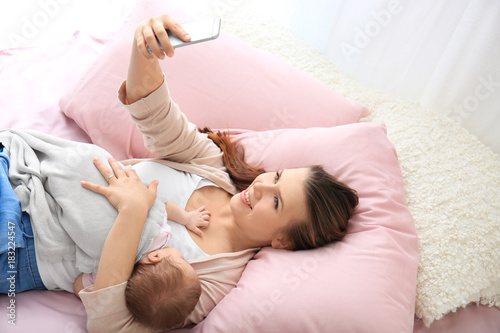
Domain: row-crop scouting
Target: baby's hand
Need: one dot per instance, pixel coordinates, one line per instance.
(197, 219)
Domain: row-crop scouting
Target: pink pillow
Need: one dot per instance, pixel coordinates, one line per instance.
(33, 79)
(221, 84)
(365, 283)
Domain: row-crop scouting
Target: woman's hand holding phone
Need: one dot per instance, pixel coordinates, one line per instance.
(153, 31)
(144, 72)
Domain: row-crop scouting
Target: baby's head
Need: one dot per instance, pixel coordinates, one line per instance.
(163, 289)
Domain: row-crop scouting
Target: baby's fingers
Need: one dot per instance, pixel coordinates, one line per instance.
(198, 232)
(206, 216)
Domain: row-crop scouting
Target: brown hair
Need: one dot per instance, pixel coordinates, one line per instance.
(330, 202)
(242, 174)
(161, 295)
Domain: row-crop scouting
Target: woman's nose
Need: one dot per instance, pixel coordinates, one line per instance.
(260, 188)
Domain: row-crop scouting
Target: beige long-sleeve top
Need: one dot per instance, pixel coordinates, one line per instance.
(167, 132)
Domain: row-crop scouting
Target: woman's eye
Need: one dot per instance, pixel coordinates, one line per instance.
(277, 177)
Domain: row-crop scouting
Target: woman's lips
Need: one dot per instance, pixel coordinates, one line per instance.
(245, 197)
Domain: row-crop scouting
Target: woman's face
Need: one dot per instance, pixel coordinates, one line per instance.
(274, 200)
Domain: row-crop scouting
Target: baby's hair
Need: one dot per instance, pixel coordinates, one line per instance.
(162, 295)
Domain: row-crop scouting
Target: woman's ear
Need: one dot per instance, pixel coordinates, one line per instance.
(280, 242)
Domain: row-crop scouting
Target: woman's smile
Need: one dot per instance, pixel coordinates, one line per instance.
(245, 197)
(269, 204)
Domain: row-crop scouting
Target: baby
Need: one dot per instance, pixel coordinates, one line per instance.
(163, 288)
(162, 292)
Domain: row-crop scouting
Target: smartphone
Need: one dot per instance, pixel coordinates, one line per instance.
(200, 31)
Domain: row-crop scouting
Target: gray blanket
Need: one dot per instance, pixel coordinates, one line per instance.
(69, 221)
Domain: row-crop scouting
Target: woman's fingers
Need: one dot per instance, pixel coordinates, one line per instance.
(125, 187)
(142, 46)
(151, 41)
(130, 173)
(162, 38)
(105, 172)
(103, 169)
(117, 169)
(153, 187)
(151, 36)
(108, 174)
(94, 187)
(176, 28)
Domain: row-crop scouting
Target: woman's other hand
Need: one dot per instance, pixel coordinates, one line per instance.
(152, 31)
(133, 200)
(125, 190)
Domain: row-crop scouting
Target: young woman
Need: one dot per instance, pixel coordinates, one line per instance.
(289, 209)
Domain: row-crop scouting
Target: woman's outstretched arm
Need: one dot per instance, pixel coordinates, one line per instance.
(144, 73)
(166, 130)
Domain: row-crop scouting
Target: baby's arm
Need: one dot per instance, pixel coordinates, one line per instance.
(193, 220)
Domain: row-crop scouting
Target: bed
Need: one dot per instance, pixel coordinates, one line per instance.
(422, 251)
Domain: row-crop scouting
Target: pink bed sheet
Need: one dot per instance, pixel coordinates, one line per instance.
(58, 311)
(32, 80)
